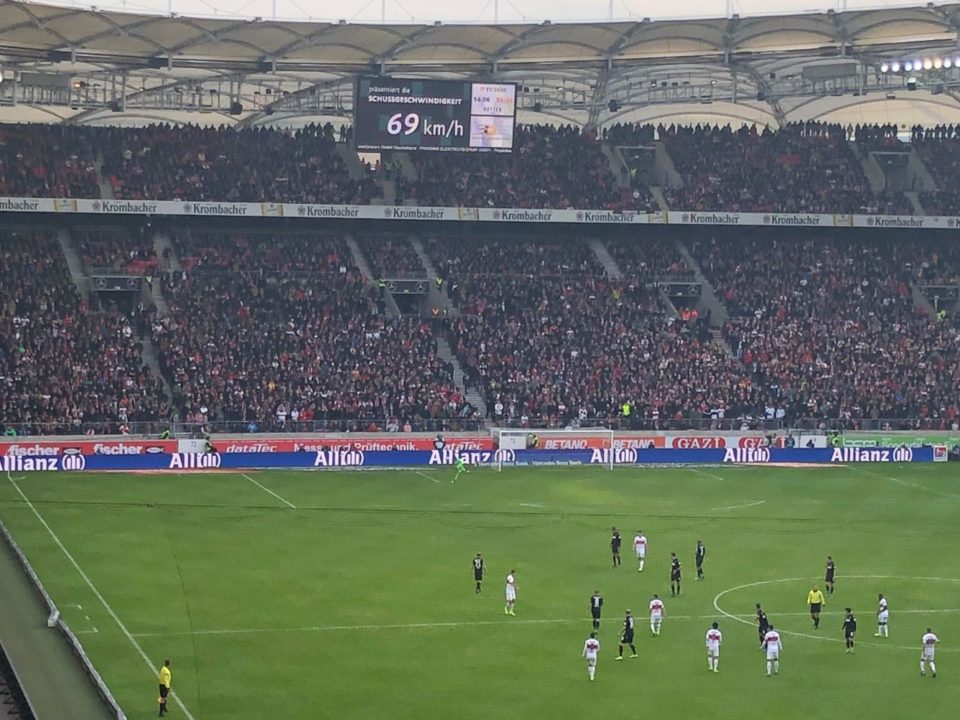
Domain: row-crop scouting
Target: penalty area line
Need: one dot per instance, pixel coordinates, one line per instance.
(428, 477)
(99, 596)
(268, 490)
(737, 507)
(705, 474)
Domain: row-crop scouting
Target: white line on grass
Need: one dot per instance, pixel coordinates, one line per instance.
(268, 490)
(705, 473)
(482, 623)
(737, 507)
(742, 618)
(906, 483)
(428, 477)
(103, 600)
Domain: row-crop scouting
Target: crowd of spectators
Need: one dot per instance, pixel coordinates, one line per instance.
(939, 149)
(828, 328)
(162, 162)
(390, 256)
(801, 168)
(40, 161)
(550, 167)
(126, 249)
(649, 259)
(64, 368)
(283, 333)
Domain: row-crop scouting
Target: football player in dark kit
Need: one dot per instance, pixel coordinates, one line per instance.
(849, 629)
(615, 541)
(596, 606)
(701, 554)
(674, 575)
(478, 572)
(828, 577)
(627, 637)
(763, 625)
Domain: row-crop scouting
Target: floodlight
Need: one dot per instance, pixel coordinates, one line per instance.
(894, 66)
(937, 63)
(947, 62)
(907, 66)
(884, 68)
(927, 64)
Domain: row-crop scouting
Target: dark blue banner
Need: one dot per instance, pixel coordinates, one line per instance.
(419, 458)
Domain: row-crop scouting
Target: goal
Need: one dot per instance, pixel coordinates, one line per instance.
(509, 440)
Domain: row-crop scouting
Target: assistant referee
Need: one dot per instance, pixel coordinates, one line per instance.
(165, 678)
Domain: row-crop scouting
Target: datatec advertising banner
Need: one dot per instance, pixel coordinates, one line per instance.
(435, 115)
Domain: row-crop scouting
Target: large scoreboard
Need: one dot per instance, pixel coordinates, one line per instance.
(437, 115)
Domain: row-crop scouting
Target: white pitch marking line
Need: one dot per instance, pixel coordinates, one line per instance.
(533, 505)
(741, 618)
(268, 490)
(482, 623)
(737, 507)
(428, 477)
(906, 483)
(100, 597)
(705, 474)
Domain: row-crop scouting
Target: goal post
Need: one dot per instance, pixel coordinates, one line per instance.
(509, 440)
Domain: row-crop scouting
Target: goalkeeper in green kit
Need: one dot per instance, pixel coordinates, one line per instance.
(461, 468)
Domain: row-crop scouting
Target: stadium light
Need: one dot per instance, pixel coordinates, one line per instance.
(937, 63)
(884, 68)
(917, 64)
(927, 64)
(947, 62)
(895, 66)
(907, 66)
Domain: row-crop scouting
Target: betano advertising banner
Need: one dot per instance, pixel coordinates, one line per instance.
(460, 214)
(347, 458)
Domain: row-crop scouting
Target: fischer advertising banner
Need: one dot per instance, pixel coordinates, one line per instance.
(455, 214)
(345, 458)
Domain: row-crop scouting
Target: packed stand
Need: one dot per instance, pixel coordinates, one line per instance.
(939, 149)
(41, 161)
(63, 368)
(283, 334)
(162, 162)
(128, 250)
(827, 329)
(802, 168)
(649, 260)
(877, 138)
(391, 257)
(549, 340)
(550, 167)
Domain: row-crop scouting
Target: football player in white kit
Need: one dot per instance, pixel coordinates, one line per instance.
(883, 614)
(590, 649)
(640, 547)
(714, 638)
(927, 654)
(511, 594)
(656, 614)
(773, 645)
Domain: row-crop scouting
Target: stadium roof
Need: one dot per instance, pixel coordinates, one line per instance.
(755, 66)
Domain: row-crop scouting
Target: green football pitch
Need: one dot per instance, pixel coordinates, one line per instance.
(346, 595)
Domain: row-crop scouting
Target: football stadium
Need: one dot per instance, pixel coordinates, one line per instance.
(498, 366)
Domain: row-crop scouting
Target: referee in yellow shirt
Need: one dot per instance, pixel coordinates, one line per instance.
(165, 678)
(816, 601)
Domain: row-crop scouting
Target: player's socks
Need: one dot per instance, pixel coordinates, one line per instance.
(641, 566)
(591, 670)
(933, 669)
(776, 667)
(769, 667)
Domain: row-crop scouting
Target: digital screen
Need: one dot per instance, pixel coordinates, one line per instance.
(437, 115)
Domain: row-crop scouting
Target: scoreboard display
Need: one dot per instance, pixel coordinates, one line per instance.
(437, 115)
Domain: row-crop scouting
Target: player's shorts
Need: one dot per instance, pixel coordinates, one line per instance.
(713, 650)
(511, 595)
(849, 635)
(478, 576)
(627, 638)
(595, 613)
(641, 554)
(656, 617)
(773, 654)
(927, 654)
(828, 578)
(814, 608)
(591, 660)
(164, 691)
(674, 574)
(883, 617)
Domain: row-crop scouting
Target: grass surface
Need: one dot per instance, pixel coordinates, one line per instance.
(359, 603)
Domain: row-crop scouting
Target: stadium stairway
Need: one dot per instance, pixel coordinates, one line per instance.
(151, 358)
(921, 301)
(914, 199)
(407, 168)
(666, 171)
(436, 298)
(360, 260)
(161, 245)
(871, 168)
(81, 280)
(617, 165)
(606, 259)
(106, 189)
(708, 296)
(923, 180)
(657, 193)
(473, 396)
(349, 156)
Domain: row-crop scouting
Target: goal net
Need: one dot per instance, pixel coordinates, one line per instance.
(510, 440)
